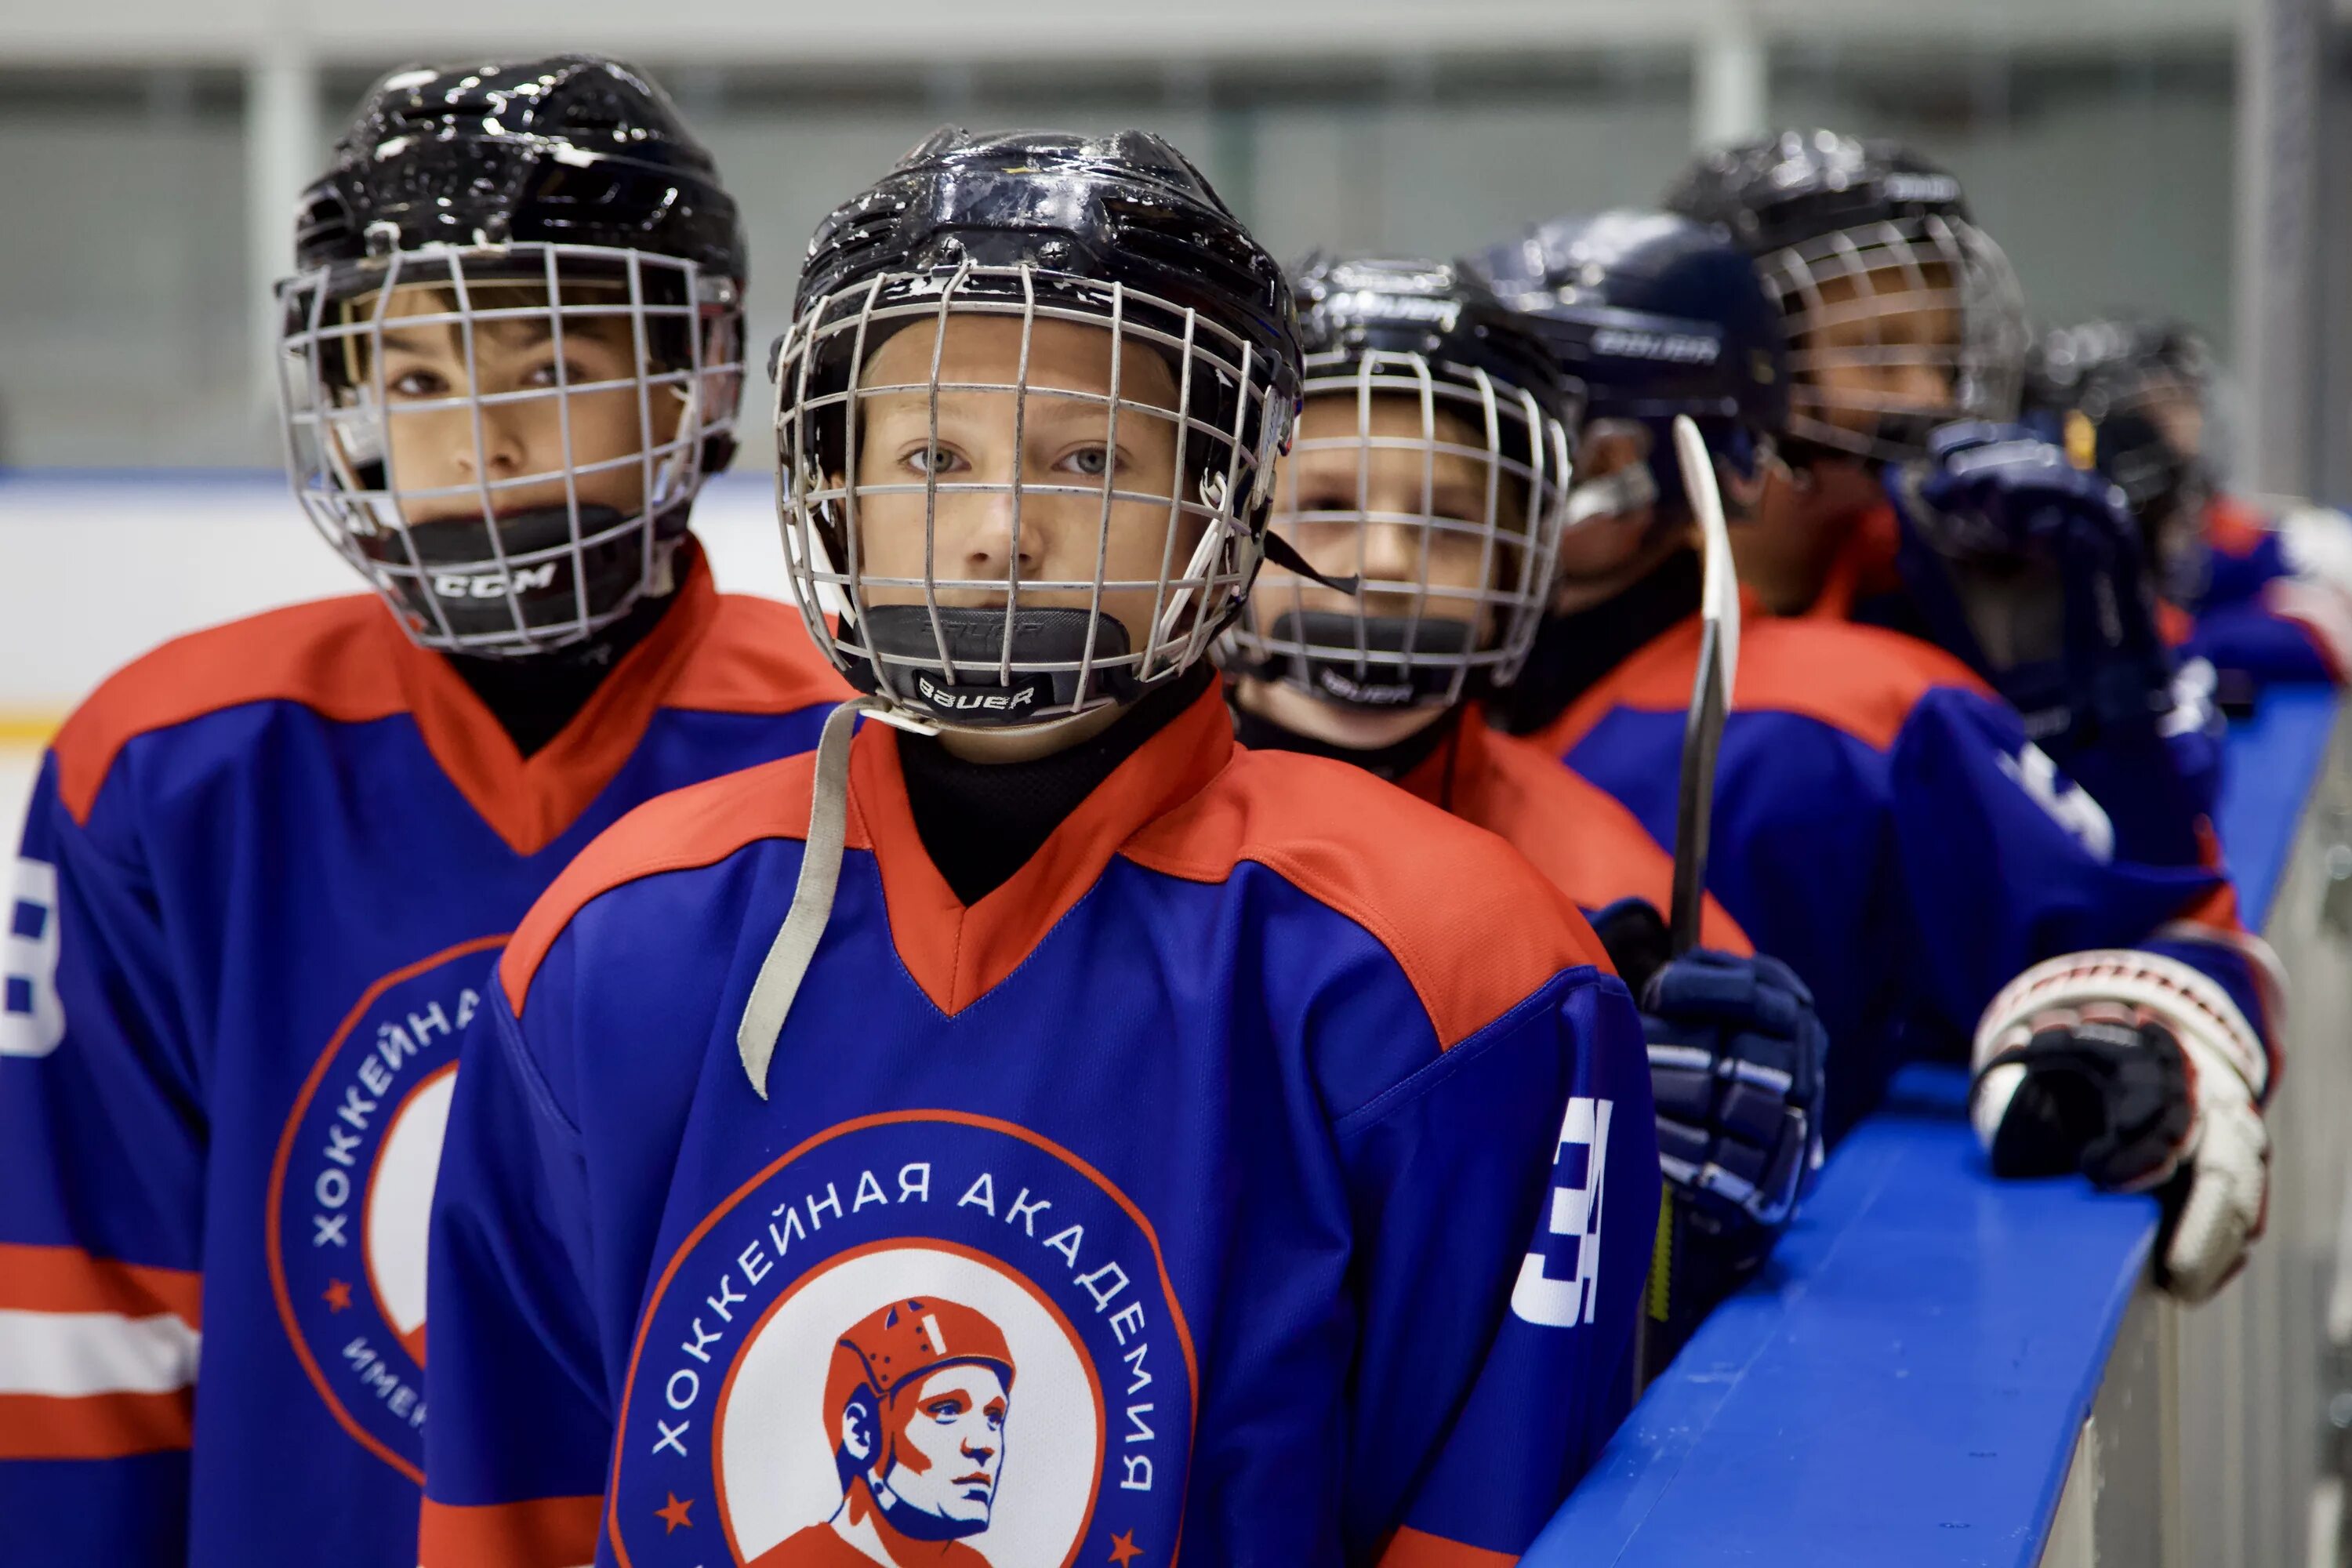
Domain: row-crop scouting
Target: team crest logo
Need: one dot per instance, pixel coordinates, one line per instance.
(352, 1191)
(921, 1338)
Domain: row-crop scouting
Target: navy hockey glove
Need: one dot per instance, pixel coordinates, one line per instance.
(2140, 1072)
(2034, 573)
(1737, 1058)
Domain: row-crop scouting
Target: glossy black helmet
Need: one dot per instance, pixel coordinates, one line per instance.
(1433, 470)
(1899, 312)
(548, 223)
(1118, 235)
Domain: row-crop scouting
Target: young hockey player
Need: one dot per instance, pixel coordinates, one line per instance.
(1903, 503)
(1883, 823)
(2261, 598)
(1432, 468)
(267, 866)
(1239, 1154)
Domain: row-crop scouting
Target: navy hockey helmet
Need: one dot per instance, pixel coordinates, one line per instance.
(1431, 469)
(1656, 316)
(2135, 396)
(1019, 237)
(1899, 312)
(512, 491)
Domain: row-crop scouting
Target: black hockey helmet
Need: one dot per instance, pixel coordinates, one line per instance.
(556, 193)
(1117, 232)
(2136, 397)
(1847, 233)
(570, 150)
(1488, 390)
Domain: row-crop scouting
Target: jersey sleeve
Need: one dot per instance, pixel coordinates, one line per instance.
(1521, 1169)
(2007, 861)
(102, 1135)
(515, 1451)
(2279, 634)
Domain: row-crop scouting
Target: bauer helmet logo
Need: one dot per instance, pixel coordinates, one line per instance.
(963, 701)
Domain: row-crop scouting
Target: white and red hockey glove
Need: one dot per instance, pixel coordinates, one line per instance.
(2142, 1074)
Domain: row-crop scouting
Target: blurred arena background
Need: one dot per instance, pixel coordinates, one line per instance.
(150, 154)
(2187, 156)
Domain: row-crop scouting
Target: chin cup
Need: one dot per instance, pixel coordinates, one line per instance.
(1402, 663)
(966, 692)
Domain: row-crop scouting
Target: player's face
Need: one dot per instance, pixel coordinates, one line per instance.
(429, 382)
(1060, 448)
(1884, 341)
(951, 1446)
(1398, 510)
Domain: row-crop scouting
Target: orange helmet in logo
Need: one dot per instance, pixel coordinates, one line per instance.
(894, 1347)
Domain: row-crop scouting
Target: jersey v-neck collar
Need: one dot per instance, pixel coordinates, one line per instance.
(528, 801)
(958, 955)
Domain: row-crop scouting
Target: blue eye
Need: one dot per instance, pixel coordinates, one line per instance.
(1092, 462)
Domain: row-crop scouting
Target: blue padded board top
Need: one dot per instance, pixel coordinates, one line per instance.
(1904, 1382)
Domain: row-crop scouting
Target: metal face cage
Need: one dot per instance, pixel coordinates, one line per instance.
(1894, 328)
(983, 569)
(505, 440)
(1423, 624)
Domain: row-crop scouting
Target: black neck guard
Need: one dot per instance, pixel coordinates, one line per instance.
(1574, 652)
(1391, 762)
(534, 697)
(981, 822)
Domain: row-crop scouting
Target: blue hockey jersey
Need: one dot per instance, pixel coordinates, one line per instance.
(1883, 825)
(2268, 614)
(1266, 1172)
(261, 883)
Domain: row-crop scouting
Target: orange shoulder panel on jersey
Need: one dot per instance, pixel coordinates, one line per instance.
(1863, 681)
(1579, 835)
(327, 655)
(1410, 1548)
(1475, 928)
(545, 1532)
(700, 825)
(757, 657)
(2232, 527)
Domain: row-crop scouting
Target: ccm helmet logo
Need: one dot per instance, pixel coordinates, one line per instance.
(493, 585)
(954, 701)
(1675, 348)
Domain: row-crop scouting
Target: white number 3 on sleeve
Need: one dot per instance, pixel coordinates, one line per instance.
(1540, 1297)
(31, 1018)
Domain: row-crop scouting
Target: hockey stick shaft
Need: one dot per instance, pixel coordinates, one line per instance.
(1710, 690)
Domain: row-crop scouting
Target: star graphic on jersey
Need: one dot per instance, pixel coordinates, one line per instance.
(338, 1295)
(674, 1514)
(1123, 1549)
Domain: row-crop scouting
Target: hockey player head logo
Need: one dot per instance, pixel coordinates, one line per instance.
(917, 1403)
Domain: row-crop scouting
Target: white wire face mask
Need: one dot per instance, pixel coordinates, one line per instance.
(1024, 494)
(505, 440)
(1894, 328)
(1452, 582)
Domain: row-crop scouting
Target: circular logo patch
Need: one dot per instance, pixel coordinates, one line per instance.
(924, 1337)
(352, 1191)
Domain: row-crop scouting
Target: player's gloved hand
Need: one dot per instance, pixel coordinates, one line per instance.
(1737, 1063)
(2009, 481)
(2033, 571)
(2139, 1090)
